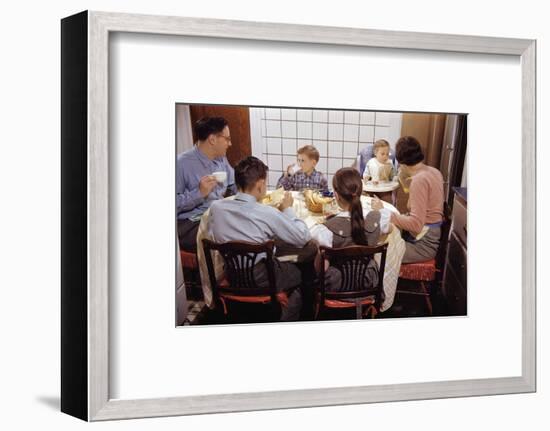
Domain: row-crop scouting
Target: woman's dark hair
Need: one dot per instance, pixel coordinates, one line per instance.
(248, 171)
(347, 183)
(408, 151)
(208, 125)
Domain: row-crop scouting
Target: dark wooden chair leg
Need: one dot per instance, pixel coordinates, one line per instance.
(427, 298)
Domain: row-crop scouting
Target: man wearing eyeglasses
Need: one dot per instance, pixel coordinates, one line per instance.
(196, 186)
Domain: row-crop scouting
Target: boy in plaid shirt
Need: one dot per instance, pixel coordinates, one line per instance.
(306, 177)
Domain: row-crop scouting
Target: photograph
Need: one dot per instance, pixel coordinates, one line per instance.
(287, 214)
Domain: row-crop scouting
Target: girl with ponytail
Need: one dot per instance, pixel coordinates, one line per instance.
(348, 193)
(349, 227)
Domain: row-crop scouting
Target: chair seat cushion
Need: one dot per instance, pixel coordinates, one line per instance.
(282, 297)
(418, 271)
(261, 299)
(188, 260)
(336, 303)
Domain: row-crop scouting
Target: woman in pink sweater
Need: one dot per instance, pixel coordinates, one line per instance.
(422, 225)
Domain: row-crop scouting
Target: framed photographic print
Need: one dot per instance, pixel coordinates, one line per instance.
(307, 153)
(168, 122)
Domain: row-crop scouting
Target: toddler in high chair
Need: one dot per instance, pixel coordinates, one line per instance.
(380, 167)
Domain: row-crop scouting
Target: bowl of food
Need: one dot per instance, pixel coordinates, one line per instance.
(314, 201)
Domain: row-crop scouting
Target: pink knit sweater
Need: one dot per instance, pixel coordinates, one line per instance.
(425, 199)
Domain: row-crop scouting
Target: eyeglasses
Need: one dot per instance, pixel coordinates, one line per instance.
(227, 138)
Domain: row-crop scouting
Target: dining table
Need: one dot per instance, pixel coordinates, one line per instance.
(383, 189)
(394, 255)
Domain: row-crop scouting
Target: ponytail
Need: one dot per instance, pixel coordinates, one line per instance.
(357, 222)
(349, 186)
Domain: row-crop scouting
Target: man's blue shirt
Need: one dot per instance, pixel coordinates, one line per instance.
(191, 166)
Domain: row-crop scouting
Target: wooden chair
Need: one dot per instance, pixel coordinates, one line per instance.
(427, 274)
(239, 284)
(352, 263)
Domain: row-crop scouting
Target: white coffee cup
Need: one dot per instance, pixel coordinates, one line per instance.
(220, 176)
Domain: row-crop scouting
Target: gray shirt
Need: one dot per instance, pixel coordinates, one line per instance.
(191, 166)
(244, 219)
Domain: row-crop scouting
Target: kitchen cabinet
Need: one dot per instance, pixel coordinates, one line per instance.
(455, 274)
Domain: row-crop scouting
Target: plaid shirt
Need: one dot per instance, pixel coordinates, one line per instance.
(300, 181)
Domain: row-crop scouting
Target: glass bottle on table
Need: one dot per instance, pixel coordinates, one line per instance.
(293, 168)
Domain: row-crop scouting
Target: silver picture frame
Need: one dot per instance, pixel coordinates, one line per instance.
(85, 215)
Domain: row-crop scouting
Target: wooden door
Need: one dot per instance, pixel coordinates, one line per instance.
(239, 127)
(428, 129)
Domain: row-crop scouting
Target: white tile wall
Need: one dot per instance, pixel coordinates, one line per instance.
(273, 128)
(335, 149)
(322, 147)
(275, 162)
(383, 118)
(322, 166)
(273, 145)
(336, 117)
(348, 162)
(382, 133)
(320, 116)
(351, 117)
(288, 114)
(334, 164)
(335, 132)
(320, 131)
(350, 149)
(305, 129)
(272, 113)
(289, 146)
(288, 160)
(351, 132)
(304, 115)
(288, 129)
(337, 135)
(366, 133)
(366, 118)
(302, 142)
(273, 177)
